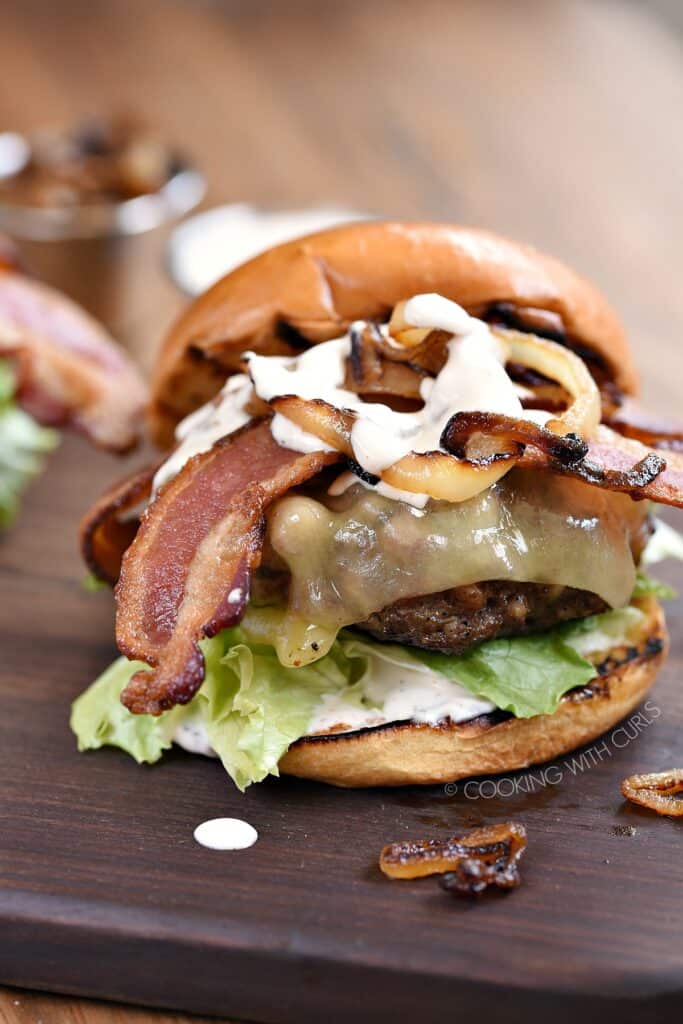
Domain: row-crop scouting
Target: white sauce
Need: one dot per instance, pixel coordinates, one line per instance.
(472, 379)
(226, 834)
(665, 542)
(402, 693)
(15, 153)
(199, 431)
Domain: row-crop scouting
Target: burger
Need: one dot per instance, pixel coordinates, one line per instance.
(399, 531)
(58, 368)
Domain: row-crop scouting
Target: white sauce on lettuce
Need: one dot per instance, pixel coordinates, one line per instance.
(398, 688)
(400, 692)
(472, 379)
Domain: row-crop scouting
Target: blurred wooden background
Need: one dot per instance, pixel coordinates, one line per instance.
(554, 121)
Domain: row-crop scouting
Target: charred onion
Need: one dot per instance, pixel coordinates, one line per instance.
(464, 429)
(435, 473)
(469, 863)
(656, 791)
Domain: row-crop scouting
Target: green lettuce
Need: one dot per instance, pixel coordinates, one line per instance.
(525, 675)
(23, 443)
(252, 708)
(646, 584)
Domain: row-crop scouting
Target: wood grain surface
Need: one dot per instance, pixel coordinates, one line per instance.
(555, 122)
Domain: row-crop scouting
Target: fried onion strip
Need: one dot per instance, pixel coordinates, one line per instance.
(464, 428)
(435, 473)
(564, 367)
(469, 863)
(657, 791)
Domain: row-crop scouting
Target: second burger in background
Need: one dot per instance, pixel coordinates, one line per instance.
(58, 368)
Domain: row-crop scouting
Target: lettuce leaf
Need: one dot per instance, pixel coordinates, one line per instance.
(252, 708)
(525, 675)
(99, 719)
(646, 584)
(23, 443)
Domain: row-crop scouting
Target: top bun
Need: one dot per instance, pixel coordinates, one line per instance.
(311, 289)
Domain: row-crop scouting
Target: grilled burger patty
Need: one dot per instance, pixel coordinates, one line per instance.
(454, 620)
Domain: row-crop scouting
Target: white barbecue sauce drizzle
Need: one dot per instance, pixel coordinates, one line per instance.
(472, 379)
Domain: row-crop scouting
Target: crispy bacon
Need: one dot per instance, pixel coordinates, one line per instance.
(621, 464)
(608, 460)
(108, 529)
(187, 573)
(70, 372)
(631, 420)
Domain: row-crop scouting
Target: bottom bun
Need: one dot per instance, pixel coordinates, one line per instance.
(409, 753)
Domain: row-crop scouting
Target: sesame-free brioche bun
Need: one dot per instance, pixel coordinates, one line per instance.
(406, 753)
(311, 289)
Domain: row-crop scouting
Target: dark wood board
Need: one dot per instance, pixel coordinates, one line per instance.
(104, 892)
(551, 122)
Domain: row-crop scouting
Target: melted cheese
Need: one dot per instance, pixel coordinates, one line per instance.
(352, 555)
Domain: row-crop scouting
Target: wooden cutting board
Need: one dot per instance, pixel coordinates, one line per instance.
(104, 892)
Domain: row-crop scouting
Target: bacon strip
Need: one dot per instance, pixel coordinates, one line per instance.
(631, 420)
(9, 257)
(70, 372)
(619, 463)
(108, 529)
(186, 575)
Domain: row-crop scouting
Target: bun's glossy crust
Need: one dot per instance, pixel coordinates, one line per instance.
(312, 288)
(411, 754)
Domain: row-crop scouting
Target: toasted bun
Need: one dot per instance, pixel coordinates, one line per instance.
(410, 754)
(311, 289)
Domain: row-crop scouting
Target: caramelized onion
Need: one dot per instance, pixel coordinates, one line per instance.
(465, 427)
(438, 474)
(331, 425)
(656, 791)
(430, 354)
(561, 365)
(469, 863)
(370, 373)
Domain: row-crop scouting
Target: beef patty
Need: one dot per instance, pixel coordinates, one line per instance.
(454, 620)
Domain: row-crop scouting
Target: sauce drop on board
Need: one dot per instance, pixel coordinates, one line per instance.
(225, 834)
